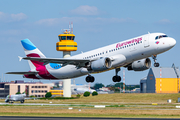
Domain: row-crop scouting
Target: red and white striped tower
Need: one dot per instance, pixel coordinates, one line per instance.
(160, 80)
(123, 81)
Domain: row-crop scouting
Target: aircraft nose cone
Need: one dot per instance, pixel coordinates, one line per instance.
(173, 42)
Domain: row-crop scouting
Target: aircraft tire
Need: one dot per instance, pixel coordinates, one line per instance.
(90, 79)
(87, 79)
(22, 101)
(116, 78)
(156, 64)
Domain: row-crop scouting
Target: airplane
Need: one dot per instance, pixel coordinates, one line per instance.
(79, 89)
(82, 90)
(132, 54)
(12, 98)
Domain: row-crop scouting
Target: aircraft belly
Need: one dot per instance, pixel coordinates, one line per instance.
(68, 71)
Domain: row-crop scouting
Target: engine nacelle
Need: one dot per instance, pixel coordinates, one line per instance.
(140, 65)
(118, 60)
(101, 64)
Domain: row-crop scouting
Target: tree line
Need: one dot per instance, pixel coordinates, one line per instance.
(115, 87)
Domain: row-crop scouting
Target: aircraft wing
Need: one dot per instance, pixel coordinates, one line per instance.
(63, 61)
(22, 73)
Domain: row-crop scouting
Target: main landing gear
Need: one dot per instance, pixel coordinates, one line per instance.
(156, 64)
(116, 78)
(90, 78)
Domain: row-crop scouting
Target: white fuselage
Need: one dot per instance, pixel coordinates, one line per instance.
(130, 50)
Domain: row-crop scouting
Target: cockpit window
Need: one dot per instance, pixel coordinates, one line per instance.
(160, 36)
(156, 37)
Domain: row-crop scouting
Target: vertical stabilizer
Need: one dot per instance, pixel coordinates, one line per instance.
(32, 51)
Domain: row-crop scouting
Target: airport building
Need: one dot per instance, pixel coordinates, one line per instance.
(161, 80)
(36, 89)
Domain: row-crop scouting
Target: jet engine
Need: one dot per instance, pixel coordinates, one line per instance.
(101, 64)
(140, 65)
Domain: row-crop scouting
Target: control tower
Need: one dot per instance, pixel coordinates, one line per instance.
(66, 44)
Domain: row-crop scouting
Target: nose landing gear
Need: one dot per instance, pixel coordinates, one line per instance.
(156, 64)
(116, 78)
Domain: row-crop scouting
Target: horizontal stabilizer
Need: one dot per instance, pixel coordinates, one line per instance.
(20, 58)
(23, 73)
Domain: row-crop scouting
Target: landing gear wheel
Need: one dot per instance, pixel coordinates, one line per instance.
(22, 101)
(156, 64)
(90, 79)
(87, 79)
(116, 78)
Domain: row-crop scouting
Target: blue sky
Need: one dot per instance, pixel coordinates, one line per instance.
(96, 23)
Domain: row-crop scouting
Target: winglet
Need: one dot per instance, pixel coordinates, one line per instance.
(20, 58)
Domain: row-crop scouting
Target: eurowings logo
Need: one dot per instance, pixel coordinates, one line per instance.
(129, 42)
(157, 42)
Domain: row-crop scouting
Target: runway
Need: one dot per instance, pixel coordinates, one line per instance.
(75, 118)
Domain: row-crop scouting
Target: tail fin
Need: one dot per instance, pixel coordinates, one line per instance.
(32, 51)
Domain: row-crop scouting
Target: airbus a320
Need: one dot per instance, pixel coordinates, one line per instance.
(132, 54)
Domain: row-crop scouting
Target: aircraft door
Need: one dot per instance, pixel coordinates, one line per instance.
(146, 41)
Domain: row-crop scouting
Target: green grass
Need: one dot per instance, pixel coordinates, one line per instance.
(115, 103)
(89, 115)
(120, 98)
(116, 106)
(58, 98)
